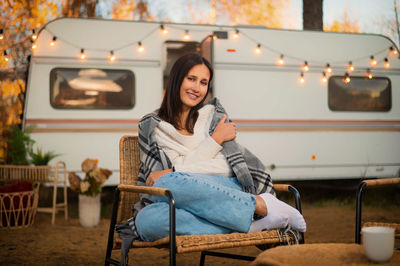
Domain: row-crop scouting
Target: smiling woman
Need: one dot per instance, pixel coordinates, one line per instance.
(189, 148)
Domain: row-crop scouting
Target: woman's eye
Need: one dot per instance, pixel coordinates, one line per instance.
(204, 83)
(190, 78)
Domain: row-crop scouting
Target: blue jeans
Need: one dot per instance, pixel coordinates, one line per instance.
(205, 204)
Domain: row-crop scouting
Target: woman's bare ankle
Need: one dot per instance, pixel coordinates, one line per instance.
(261, 208)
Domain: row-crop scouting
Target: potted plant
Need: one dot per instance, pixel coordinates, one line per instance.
(89, 189)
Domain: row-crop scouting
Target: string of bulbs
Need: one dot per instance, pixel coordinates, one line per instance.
(305, 67)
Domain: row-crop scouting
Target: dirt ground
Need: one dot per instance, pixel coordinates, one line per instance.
(68, 243)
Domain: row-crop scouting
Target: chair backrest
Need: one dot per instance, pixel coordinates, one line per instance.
(129, 162)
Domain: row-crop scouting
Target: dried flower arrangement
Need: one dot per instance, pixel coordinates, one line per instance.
(95, 177)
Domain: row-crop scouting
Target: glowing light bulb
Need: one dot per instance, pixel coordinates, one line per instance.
(369, 74)
(1, 34)
(34, 45)
(140, 47)
(82, 55)
(323, 78)
(386, 63)
(111, 57)
(163, 29)
(302, 80)
(236, 34)
(350, 67)
(34, 35)
(328, 69)
(53, 41)
(281, 61)
(305, 66)
(258, 49)
(346, 78)
(5, 56)
(393, 51)
(186, 36)
(372, 61)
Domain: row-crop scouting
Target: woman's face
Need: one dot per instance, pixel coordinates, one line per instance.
(194, 86)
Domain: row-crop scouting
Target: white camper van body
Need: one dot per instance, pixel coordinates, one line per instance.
(288, 125)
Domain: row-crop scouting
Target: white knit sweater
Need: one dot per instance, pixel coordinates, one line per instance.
(197, 153)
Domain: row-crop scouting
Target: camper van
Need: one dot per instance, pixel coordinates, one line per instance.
(311, 105)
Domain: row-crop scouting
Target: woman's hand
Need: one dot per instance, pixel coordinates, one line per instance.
(153, 176)
(224, 131)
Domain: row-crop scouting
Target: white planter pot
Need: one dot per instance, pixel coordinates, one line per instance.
(89, 210)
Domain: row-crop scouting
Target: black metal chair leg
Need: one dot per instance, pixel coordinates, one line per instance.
(202, 258)
(110, 241)
(358, 212)
(172, 229)
(296, 194)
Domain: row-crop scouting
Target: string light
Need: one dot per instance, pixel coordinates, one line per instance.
(236, 34)
(386, 63)
(323, 78)
(140, 47)
(328, 68)
(111, 57)
(53, 41)
(5, 56)
(82, 55)
(372, 61)
(301, 78)
(350, 67)
(346, 78)
(186, 36)
(393, 51)
(369, 74)
(34, 35)
(163, 29)
(305, 66)
(281, 61)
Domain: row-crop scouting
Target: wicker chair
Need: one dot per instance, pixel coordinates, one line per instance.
(373, 183)
(127, 194)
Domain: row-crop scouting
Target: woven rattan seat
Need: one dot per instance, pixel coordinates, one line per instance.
(127, 195)
(367, 184)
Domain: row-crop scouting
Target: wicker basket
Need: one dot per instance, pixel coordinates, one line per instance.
(18, 209)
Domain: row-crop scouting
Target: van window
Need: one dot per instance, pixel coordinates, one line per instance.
(360, 94)
(92, 88)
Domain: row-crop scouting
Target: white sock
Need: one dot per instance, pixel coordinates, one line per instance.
(269, 222)
(276, 207)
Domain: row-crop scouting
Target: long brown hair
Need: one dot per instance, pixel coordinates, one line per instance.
(171, 106)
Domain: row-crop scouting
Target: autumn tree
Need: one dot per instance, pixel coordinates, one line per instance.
(79, 8)
(130, 10)
(17, 20)
(254, 12)
(345, 24)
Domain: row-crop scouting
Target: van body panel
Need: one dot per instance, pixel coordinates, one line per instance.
(288, 125)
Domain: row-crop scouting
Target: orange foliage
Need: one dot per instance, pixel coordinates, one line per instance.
(254, 12)
(345, 25)
(129, 10)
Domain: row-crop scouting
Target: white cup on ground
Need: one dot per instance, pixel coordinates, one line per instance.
(378, 242)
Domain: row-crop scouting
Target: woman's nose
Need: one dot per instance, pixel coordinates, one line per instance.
(196, 86)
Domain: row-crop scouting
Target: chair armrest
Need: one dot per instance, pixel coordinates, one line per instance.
(144, 189)
(382, 181)
(282, 187)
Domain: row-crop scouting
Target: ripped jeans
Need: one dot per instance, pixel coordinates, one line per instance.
(205, 204)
